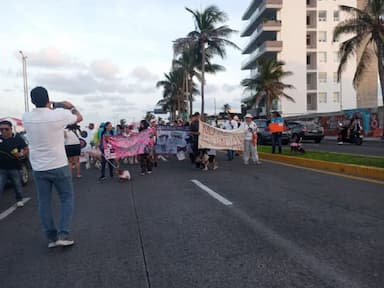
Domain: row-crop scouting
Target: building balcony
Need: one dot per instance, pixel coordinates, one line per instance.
(265, 10)
(262, 34)
(265, 48)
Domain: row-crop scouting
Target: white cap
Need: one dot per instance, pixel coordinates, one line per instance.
(248, 115)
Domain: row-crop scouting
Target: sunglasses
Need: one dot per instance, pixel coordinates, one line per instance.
(5, 129)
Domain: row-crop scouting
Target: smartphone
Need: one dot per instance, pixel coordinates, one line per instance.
(56, 105)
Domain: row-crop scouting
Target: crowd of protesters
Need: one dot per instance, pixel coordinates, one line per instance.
(55, 147)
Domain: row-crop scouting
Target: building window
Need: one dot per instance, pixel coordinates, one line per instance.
(322, 36)
(322, 77)
(308, 60)
(336, 97)
(334, 77)
(322, 97)
(336, 15)
(336, 57)
(308, 40)
(322, 57)
(322, 16)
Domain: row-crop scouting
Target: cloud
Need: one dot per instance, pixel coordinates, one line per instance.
(104, 69)
(80, 83)
(143, 74)
(50, 58)
(230, 88)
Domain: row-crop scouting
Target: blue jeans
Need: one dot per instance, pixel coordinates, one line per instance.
(14, 175)
(276, 140)
(62, 181)
(230, 154)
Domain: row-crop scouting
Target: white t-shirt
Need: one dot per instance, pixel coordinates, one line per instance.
(71, 138)
(249, 129)
(45, 130)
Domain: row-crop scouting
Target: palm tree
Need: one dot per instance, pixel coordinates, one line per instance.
(267, 84)
(189, 61)
(367, 27)
(210, 40)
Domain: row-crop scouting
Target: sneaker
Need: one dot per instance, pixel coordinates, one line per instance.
(142, 173)
(246, 163)
(149, 172)
(52, 244)
(19, 204)
(64, 242)
(258, 163)
(102, 178)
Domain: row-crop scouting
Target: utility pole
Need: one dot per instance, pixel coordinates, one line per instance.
(25, 81)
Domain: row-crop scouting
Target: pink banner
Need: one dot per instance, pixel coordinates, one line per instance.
(121, 146)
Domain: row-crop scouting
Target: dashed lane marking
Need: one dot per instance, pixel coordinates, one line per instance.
(215, 195)
(11, 209)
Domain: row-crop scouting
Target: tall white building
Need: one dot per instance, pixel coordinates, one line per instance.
(300, 33)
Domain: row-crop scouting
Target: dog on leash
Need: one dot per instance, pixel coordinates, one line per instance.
(124, 175)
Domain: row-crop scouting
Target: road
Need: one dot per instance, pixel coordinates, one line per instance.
(369, 148)
(273, 226)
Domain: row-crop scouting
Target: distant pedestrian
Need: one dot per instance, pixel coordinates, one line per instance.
(277, 134)
(106, 131)
(145, 157)
(194, 128)
(72, 148)
(230, 124)
(250, 140)
(12, 148)
(45, 129)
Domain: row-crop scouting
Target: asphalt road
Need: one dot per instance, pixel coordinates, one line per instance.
(285, 227)
(369, 148)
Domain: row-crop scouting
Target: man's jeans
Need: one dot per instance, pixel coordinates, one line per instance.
(14, 175)
(62, 181)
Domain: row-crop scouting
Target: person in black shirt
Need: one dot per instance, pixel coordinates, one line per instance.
(195, 138)
(12, 148)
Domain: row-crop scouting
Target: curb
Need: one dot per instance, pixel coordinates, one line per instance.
(350, 169)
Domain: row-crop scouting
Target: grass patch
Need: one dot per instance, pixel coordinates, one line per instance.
(373, 161)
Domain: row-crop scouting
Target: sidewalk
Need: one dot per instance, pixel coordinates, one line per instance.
(368, 139)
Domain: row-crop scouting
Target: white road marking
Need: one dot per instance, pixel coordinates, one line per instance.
(162, 158)
(215, 195)
(11, 209)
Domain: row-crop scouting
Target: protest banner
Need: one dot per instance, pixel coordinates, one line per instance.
(121, 146)
(171, 139)
(214, 138)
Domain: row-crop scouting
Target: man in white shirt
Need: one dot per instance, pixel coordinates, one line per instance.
(229, 125)
(250, 139)
(45, 129)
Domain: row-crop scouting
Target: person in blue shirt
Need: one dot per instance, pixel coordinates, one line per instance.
(276, 136)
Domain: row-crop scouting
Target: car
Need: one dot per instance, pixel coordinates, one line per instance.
(309, 130)
(264, 135)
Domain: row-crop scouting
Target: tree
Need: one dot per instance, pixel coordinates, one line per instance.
(367, 27)
(227, 108)
(267, 84)
(172, 92)
(210, 40)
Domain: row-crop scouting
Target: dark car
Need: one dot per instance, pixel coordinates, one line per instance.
(307, 129)
(264, 135)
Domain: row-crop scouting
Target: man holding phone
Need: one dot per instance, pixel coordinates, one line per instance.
(45, 129)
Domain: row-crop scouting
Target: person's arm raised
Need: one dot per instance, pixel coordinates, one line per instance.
(68, 105)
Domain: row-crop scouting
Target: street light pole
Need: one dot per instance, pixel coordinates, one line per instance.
(25, 81)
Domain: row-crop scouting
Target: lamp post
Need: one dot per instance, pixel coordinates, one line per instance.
(25, 82)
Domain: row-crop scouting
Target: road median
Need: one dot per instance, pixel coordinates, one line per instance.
(350, 169)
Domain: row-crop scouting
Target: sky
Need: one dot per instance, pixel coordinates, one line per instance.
(107, 56)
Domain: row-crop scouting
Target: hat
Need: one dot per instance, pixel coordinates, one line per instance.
(39, 96)
(236, 118)
(248, 115)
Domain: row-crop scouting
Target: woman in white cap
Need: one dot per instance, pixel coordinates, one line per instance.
(250, 139)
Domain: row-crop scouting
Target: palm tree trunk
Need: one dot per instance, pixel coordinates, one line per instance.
(268, 105)
(202, 77)
(380, 52)
(190, 98)
(186, 89)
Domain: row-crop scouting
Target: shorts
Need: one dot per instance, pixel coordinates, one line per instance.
(72, 150)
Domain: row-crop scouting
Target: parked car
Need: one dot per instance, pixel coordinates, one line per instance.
(309, 130)
(264, 135)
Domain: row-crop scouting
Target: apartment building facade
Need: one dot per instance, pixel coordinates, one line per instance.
(300, 33)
